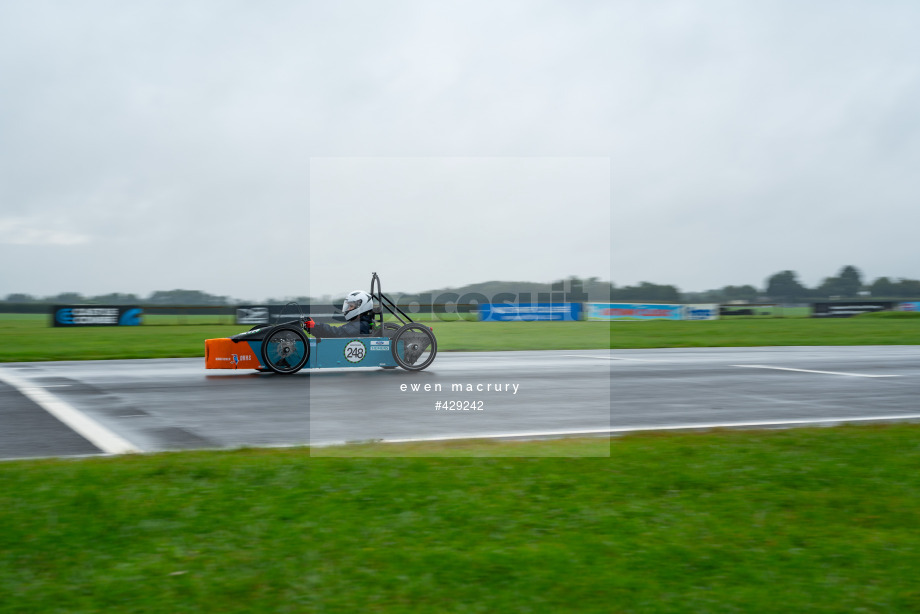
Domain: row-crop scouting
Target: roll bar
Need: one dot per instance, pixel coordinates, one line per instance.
(385, 302)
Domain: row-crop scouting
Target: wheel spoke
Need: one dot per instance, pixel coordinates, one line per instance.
(285, 350)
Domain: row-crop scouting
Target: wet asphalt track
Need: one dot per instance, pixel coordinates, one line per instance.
(175, 404)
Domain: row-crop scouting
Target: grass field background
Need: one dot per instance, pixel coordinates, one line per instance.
(30, 338)
(812, 520)
(804, 520)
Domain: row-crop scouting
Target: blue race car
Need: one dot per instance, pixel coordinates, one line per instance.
(287, 347)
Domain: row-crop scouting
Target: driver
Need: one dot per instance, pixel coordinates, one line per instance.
(358, 309)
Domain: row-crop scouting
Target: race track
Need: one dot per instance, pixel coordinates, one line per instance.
(97, 407)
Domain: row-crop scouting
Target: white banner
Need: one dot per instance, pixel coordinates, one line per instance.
(701, 312)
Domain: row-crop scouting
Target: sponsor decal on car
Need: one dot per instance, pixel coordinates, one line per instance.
(235, 358)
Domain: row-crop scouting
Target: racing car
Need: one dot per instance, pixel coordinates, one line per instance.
(287, 347)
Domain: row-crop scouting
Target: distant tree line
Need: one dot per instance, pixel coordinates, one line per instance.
(847, 284)
(160, 297)
(783, 287)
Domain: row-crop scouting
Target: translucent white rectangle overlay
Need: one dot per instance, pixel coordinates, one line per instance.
(429, 225)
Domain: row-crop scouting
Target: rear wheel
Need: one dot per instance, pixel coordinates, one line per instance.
(285, 350)
(414, 347)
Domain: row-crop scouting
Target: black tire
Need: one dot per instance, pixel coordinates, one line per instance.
(414, 347)
(285, 350)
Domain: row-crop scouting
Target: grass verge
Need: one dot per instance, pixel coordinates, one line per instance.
(31, 339)
(810, 520)
(891, 315)
(766, 332)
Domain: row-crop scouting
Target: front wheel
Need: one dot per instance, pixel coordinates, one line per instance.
(414, 347)
(285, 350)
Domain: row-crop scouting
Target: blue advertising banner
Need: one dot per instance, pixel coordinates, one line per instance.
(530, 312)
(96, 315)
(634, 311)
(908, 306)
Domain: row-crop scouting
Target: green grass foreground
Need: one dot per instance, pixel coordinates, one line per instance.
(31, 339)
(810, 520)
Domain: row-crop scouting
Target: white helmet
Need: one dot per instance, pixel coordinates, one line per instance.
(356, 303)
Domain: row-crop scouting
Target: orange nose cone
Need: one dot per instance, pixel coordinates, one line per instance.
(225, 354)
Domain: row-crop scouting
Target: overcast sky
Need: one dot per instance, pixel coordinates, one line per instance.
(285, 148)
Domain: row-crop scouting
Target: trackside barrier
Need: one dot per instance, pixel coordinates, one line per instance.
(707, 311)
(634, 311)
(95, 315)
(269, 314)
(651, 311)
(530, 312)
(849, 308)
(172, 315)
(504, 310)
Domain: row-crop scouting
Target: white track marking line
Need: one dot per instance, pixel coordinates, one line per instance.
(630, 429)
(612, 358)
(95, 433)
(812, 371)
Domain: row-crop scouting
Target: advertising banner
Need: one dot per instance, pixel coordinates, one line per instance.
(634, 311)
(736, 310)
(96, 315)
(908, 306)
(849, 308)
(270, 314)
(701, 312)
(530, 312)
(252, 315)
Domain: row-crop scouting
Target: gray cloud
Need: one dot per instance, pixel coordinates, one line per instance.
(159, 145)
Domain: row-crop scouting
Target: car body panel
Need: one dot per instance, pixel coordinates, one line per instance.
(325, 353)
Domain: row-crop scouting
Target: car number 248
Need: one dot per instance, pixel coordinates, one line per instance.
(354, 351)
